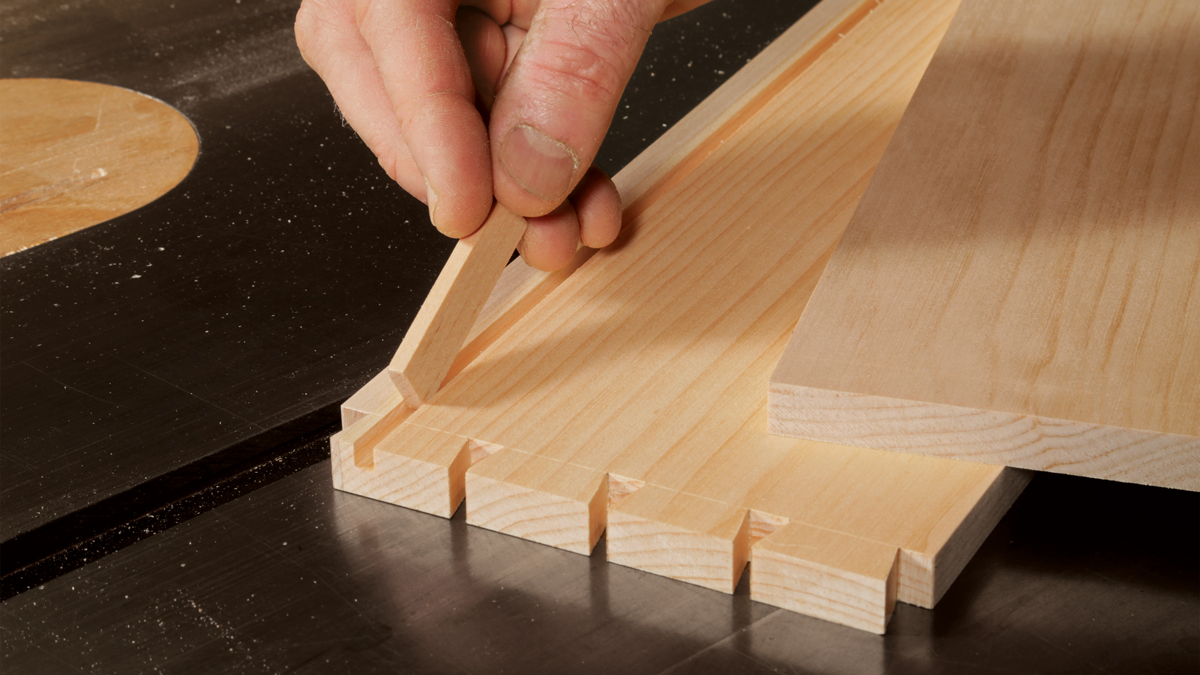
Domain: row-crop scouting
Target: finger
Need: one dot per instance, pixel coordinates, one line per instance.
(558, 98)
(598, 207)
(679, 7)
(330, 43)
(501, 11)
(427, 80)
(490, 48)
(592, 215)
(550, 241)
(486, 50)
(514, 37)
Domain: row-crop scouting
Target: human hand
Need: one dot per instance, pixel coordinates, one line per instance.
(503, 98)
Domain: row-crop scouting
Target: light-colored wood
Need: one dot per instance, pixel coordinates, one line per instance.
(667, 159)
(75, 154)
(519, 288)
(445, 319)
(1021, 283)
(684, 536)
(540, 499)
(633, 392)
(375, 398)
(813, 570)
(421, 468)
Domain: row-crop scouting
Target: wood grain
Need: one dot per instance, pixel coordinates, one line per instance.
(632, 393)
(449, 312)
(417, 466)
(539, 499)
(810, 569)
(75, 154)
(1021, 283)
(666, 160)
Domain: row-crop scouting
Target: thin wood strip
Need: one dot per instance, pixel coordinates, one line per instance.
(446, 317)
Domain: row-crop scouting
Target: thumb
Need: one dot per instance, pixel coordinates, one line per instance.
(559, 95)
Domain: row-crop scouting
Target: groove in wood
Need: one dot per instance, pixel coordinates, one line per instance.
(632, 394)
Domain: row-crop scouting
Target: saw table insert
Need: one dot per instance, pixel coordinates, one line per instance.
(628, 394)
(75, 154)
(1021, 282)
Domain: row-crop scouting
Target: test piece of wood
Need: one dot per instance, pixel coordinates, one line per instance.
(1020, 285)
(450, 310)
(75, 154)
(628, 397)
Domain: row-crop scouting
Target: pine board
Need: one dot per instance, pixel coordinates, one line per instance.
(75, 154)
(628, 396)
(1021, 282)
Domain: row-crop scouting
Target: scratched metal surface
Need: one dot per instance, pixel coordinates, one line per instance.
(269, 285)
(1082, 576)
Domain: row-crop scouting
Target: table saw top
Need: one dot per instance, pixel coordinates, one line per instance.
(171, 360)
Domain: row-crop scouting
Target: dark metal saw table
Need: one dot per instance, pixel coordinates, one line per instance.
(169, 378)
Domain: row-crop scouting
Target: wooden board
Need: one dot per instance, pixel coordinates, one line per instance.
(628, 397)
(75, 154)
(1021, 283)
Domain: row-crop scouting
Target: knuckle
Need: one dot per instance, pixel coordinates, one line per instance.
(364, 10)
(578, 71)
(306, 25)
(590, 48)
(390, 164)
(317, 21)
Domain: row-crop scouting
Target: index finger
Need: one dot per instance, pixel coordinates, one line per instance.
(428, 82)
